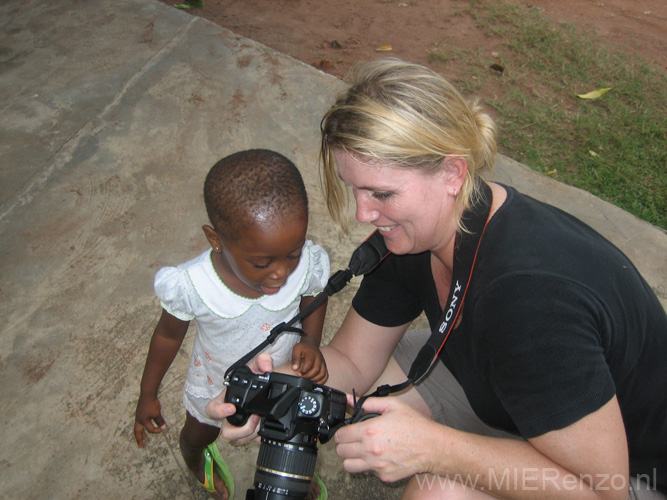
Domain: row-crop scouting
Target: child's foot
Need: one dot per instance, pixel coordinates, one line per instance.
(316, 490)
(209, 479)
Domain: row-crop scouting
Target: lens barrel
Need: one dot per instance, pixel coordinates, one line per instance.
(285, 468)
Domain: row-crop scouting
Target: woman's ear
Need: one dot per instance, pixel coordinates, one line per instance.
(455, 171)
(213, 238)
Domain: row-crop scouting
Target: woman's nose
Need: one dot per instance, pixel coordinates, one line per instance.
(365, 211)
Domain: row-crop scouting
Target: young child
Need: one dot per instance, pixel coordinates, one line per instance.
(259, 270)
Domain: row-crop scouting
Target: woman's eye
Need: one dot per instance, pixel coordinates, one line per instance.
(381, 195)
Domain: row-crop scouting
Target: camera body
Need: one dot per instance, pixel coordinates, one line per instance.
(288, 405)
(295, 412)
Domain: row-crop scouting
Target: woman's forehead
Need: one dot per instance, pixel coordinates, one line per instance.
(374, 176)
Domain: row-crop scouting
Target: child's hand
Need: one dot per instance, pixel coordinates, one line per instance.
(309, 363)
(148, 411)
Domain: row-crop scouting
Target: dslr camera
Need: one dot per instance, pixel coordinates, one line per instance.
(295, 412)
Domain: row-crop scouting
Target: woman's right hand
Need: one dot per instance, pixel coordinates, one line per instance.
(395, 445)
(148, 417)
(218, 409)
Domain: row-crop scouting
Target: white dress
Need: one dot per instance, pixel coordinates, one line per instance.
(229, 325)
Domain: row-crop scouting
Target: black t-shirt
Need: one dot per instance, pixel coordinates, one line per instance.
(556, 321)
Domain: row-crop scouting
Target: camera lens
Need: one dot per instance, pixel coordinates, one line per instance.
(285, 468)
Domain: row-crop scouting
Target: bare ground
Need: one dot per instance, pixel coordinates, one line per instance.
(332, 36)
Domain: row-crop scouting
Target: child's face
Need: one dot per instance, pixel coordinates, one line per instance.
(262, 259)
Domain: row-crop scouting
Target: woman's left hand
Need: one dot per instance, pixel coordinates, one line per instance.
(218, 409)
(394, 445)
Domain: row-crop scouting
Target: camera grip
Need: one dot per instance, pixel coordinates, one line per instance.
(238, 419)
(243, 387)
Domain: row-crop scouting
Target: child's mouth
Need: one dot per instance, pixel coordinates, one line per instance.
(270, 290)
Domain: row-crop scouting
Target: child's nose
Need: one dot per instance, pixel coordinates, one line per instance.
(280, 270)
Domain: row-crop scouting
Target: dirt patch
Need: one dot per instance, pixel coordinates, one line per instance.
(332, 36)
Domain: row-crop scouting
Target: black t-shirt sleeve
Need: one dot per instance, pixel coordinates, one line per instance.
(390, 295)
(545, 351)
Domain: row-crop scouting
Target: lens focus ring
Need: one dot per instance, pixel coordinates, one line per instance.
(284, 468)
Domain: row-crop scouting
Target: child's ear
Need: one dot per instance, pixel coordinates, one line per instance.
(212, 237)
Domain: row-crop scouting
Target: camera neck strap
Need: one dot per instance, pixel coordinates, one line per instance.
(466, 248)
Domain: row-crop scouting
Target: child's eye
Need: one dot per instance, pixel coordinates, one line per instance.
(260, 266)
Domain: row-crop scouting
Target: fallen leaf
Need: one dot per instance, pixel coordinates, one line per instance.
(384, 48)
(593, 154)
(551, 172)
(322, 64)
(594, 94)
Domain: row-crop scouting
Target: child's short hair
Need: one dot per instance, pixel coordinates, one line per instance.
(253, 183)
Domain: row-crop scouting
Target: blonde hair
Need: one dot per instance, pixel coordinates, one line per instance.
(402, 114)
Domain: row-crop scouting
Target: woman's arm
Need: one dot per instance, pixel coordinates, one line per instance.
(359, 353)
(588, 459)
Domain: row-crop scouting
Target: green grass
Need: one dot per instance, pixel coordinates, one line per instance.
(614, 147)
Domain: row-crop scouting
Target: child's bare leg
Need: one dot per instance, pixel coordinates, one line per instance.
(195, 437)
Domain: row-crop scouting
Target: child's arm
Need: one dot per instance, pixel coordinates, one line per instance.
(307, 359)
(165, 343)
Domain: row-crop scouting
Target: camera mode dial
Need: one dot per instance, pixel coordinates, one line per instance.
(309, 405)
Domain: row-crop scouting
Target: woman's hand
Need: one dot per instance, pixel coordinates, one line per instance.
(394, 445)
(218, 409)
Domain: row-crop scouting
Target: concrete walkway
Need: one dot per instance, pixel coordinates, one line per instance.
(111, 114)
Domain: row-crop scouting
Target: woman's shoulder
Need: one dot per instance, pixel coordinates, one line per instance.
(531, 233)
